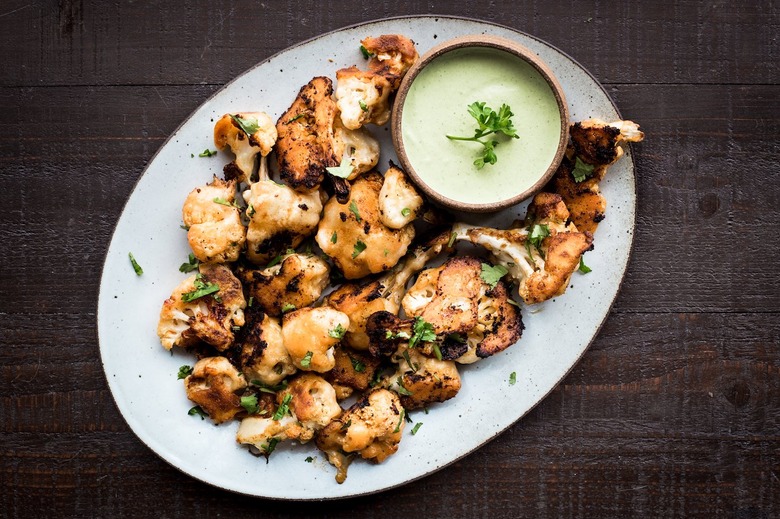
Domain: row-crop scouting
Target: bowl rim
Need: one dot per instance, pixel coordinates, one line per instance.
(490, 42)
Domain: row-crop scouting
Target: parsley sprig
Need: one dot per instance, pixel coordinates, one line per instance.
(489, 122)
(201, 289)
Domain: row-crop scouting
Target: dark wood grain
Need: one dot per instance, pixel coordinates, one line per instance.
(673, 412)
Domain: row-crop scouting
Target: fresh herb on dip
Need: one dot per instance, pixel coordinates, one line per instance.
(490, 122)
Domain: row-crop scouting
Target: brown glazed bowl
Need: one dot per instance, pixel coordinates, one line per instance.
(499, 44)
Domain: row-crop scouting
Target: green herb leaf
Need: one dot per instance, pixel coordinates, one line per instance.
(191, 265)
(401, 389)
(287, 307)
(283, 408)
(359, 247)
(344, 170)
(197, 410)
(250, 125)
(365, 53)
(354, 208)
(274, 261)
(416, 428)
(489, 122)
(184, 372)
(306, 360)
(222, 201)
(400, 335)
(207, 153)
(451, 241)
(583, 267)
(250, 210)
(269, 447)
(185, 227)
(334, 237)
(251, 301)
(537, 233)
(363, 106)
(422, 332)
(201, 289)
(337, 332)
(358, 366)
(293, 119)
(406, 212)
(437, 352)
(582, 170)
(265, 388)
(512, 378)
(492, 275)
(309, 459)
(249, 403)
(400, 421)
(136, 267)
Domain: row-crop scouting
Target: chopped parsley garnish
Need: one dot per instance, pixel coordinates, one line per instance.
(334, 237)
(512, 378)
(343, 170)
(399, 335)
(582, 170)
(250, 125)
(269, 447)
(492, 275)
(185, 227)
(293, 119)
(357, 365)
(583, 267)
(414, 367)
(451, 242)
(287, 307)
(400, 421)
(222, 201)
(365, 53)
(306, 360)
(250, 210)
(265, 388)
(401, 389)
(191, 265)
(136, 267)
(354, 208)
(337, 332)
(416, 428)
(197, 410)
(184, 372)
(251, 301)
(359, 247)
(201, 289)
(422, 332)
(309, 459)
(489, 122)
(363, 106)
(274, 261)
(406, 211)
(207, 153)
(437, 351)
(249, 403)
(537, 233)
(283, 408)
(345, 426)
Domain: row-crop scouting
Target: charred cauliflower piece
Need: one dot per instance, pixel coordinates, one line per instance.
(279, 218)
(297, 280)
(310, 335)
(360, 300)
(362, 97)
(213, 385)
(204, 307)
(399, 201)
(358, 147)
(305, 144)
(393, 55)
(248, 135)
(354, 236)
(353, 370)
(306, 406)
(542, 256)
(421, 380)
(261, 352)
(599, 143)
(372, 428)
(215, 232)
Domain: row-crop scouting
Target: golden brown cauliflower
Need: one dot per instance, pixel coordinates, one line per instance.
(354, 370)
(421, 380)
(362, 97)
(310, 335)
(358, 147)
(399, 201)
(297, 280)
(279, 219)
(248, 135)
(306, 406)
(372, 427)
(393, 55)
(213, 385)
(354, 236)
(204, 307)
(261, 352)
(215, 232)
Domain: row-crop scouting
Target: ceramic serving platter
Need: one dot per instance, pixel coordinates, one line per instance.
(143, 376)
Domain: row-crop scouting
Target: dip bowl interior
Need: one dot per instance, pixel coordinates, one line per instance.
(432, 106)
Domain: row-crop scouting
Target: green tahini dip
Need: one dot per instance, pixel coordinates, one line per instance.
(437, 105)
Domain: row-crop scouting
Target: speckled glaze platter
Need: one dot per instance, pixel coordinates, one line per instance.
(143, 377)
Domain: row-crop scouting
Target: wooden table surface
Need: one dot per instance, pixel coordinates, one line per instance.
(673, 412)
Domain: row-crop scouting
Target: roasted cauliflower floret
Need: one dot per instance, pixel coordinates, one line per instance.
(354, 370)
(372, 427)
(421, 380)
(354, 236)
(297, 280)
(213, 385)
(305, 144)
(541, 256)
(360, 300)
(204, 307)
(248, 135)
(261, 352)
(279, 219)
(215, 232)
(393, 55)
(599, 143)
(358, 147)
(306, 406)
(362, 97)
(310, 335)
(399, 201)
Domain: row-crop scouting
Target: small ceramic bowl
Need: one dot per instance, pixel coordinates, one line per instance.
(433, 101)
